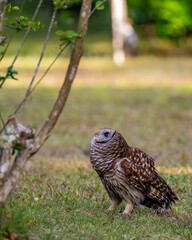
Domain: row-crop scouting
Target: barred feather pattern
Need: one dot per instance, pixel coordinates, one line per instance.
(128, 173)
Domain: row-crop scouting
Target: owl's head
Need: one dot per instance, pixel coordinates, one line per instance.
(103, 136)
(107, 141)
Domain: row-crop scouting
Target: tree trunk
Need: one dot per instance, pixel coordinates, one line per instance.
(124, 37)
(17, 137)
(2, 12)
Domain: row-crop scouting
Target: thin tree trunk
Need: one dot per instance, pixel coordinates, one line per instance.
(2, 12)
(30, 145)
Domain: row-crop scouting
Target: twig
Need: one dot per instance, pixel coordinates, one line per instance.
(96, 6)
(13, 32)
(18, 110)
(2, 121)
(10, 38)
(27, 32)
(41, 78)
(24, 38)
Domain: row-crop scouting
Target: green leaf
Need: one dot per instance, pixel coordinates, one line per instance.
(21, 23)
(99, 5)
(18, 147)
(9, 8)
(15, 8)
(60, 4)
(10, 73)
(67, 36)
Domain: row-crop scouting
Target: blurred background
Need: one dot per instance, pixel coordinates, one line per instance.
(163, 27)
(147, 97)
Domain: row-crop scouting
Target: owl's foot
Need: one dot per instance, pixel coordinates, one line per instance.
(114, 205)
(128, 209)
(108, 211)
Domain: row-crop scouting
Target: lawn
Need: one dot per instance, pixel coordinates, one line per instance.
(59, 196)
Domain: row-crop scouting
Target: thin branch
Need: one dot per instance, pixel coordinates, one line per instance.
(3, 123)
(2, 119)
(21, 105)
(44, 74)
(24, 38)
(96, 6)
(2, 13)
(27, 32)
(10, 38)
(70, 75)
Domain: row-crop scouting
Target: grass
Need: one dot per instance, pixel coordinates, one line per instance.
(59, 196)
(65, 200)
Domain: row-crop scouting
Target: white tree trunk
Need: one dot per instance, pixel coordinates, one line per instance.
(124, 37)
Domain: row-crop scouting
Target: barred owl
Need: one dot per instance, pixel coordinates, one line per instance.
(128, 174)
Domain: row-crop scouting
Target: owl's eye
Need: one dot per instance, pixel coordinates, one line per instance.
(106, 134)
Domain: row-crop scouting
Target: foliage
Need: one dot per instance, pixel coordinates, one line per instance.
(9, 8)
(61, 4)
(21, 23)
(99, 5)
(170, 19)
(9, 75)
(67, 36)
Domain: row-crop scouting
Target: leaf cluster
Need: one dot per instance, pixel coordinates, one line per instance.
(10, 8)
(99, 5)
(167, 18)
(21, 23)
(10, 74)
(67, 36)
(61, 4)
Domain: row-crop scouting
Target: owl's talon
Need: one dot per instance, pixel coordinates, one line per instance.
(126, 216)
(107, 211)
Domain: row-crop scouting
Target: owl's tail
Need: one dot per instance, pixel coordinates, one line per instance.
(160, 195)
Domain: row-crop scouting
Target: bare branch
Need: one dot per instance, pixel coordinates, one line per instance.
(21, 105)
(1, 118)
(47, 70)
(70, 75)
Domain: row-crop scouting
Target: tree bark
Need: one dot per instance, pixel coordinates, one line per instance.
(37, 141)
(2, 12)
(124, 37)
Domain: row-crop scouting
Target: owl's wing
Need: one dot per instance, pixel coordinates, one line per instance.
(138, 168)
(140, 172)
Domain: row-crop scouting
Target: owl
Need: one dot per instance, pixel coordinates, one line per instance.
(128, 174)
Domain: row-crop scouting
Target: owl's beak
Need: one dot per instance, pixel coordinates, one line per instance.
(97, 132)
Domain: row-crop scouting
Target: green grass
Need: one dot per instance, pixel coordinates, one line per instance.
(59, 196)
(65, 200)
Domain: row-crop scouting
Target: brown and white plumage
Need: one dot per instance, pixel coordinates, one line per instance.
(128, 173)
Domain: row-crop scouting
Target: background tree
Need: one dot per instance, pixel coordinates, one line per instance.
(124, 37)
